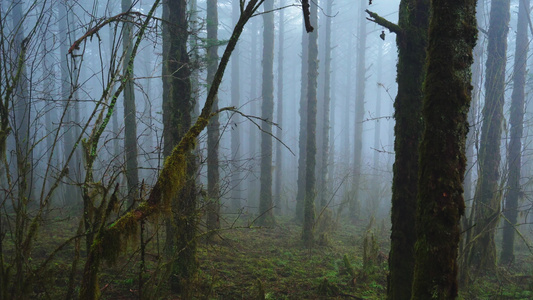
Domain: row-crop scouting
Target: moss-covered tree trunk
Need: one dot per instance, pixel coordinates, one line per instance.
(267, 113)
(452, 36)
(488, 196)
(411, 39)
(517, 128)
(213, 133)
(310, 180)
(360, 78)
(130, 122)
(302, 138)
(177, 108)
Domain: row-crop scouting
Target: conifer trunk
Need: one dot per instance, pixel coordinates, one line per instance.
(177, 108)
(310, 180)
(267, 113)
(213, 133)
(301, 189)
(360, 78)
(514, 157)
(442, 150)
(130, 122)
(488, 197)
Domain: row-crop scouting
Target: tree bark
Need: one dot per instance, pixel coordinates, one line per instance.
(130, 118)
(514, 157)
(177, 108)
(301, 189)
(236, 130)
(442, 150)
(279, 132)
(267, 113)
(310, 180)
(360, 78)
(411, 39)
(213, 133)
(488, 196)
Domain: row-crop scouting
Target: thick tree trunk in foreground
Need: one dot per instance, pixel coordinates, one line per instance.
(442, 150)
(411, 39)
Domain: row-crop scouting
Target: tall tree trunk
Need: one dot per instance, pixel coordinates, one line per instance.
(213, 133)
(177, 108)
(21, 131)
(411, 39)
(360, 78)
(312, 67)
(69, 95)
(130, 122)
(252, 142)
(236, 130)
(442, 150)
(376, 186)
(279, 132)
(324, 155)
(515, 146)
(301, 189)
(488, 195)
(267, 113)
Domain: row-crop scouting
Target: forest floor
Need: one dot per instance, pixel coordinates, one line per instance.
(349, 261)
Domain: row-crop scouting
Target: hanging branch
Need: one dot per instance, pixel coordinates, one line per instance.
(307, 13)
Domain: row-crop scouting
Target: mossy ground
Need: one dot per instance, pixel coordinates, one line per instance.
(247, 262)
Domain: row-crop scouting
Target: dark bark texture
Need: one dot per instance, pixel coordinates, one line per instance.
(411, 40)
(452, 36)
(177, 108)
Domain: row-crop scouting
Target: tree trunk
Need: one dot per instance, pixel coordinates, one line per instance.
(279, 132)
(177, 108)
(213, 134)
(236, 130)
(312, 67)
(69, 95)
(517, 128)
(411, 39)
(301, 189)
(267, 113)
(360, 78)
(488, 195)
(442, 150)
(324, 149)
(130, 118)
